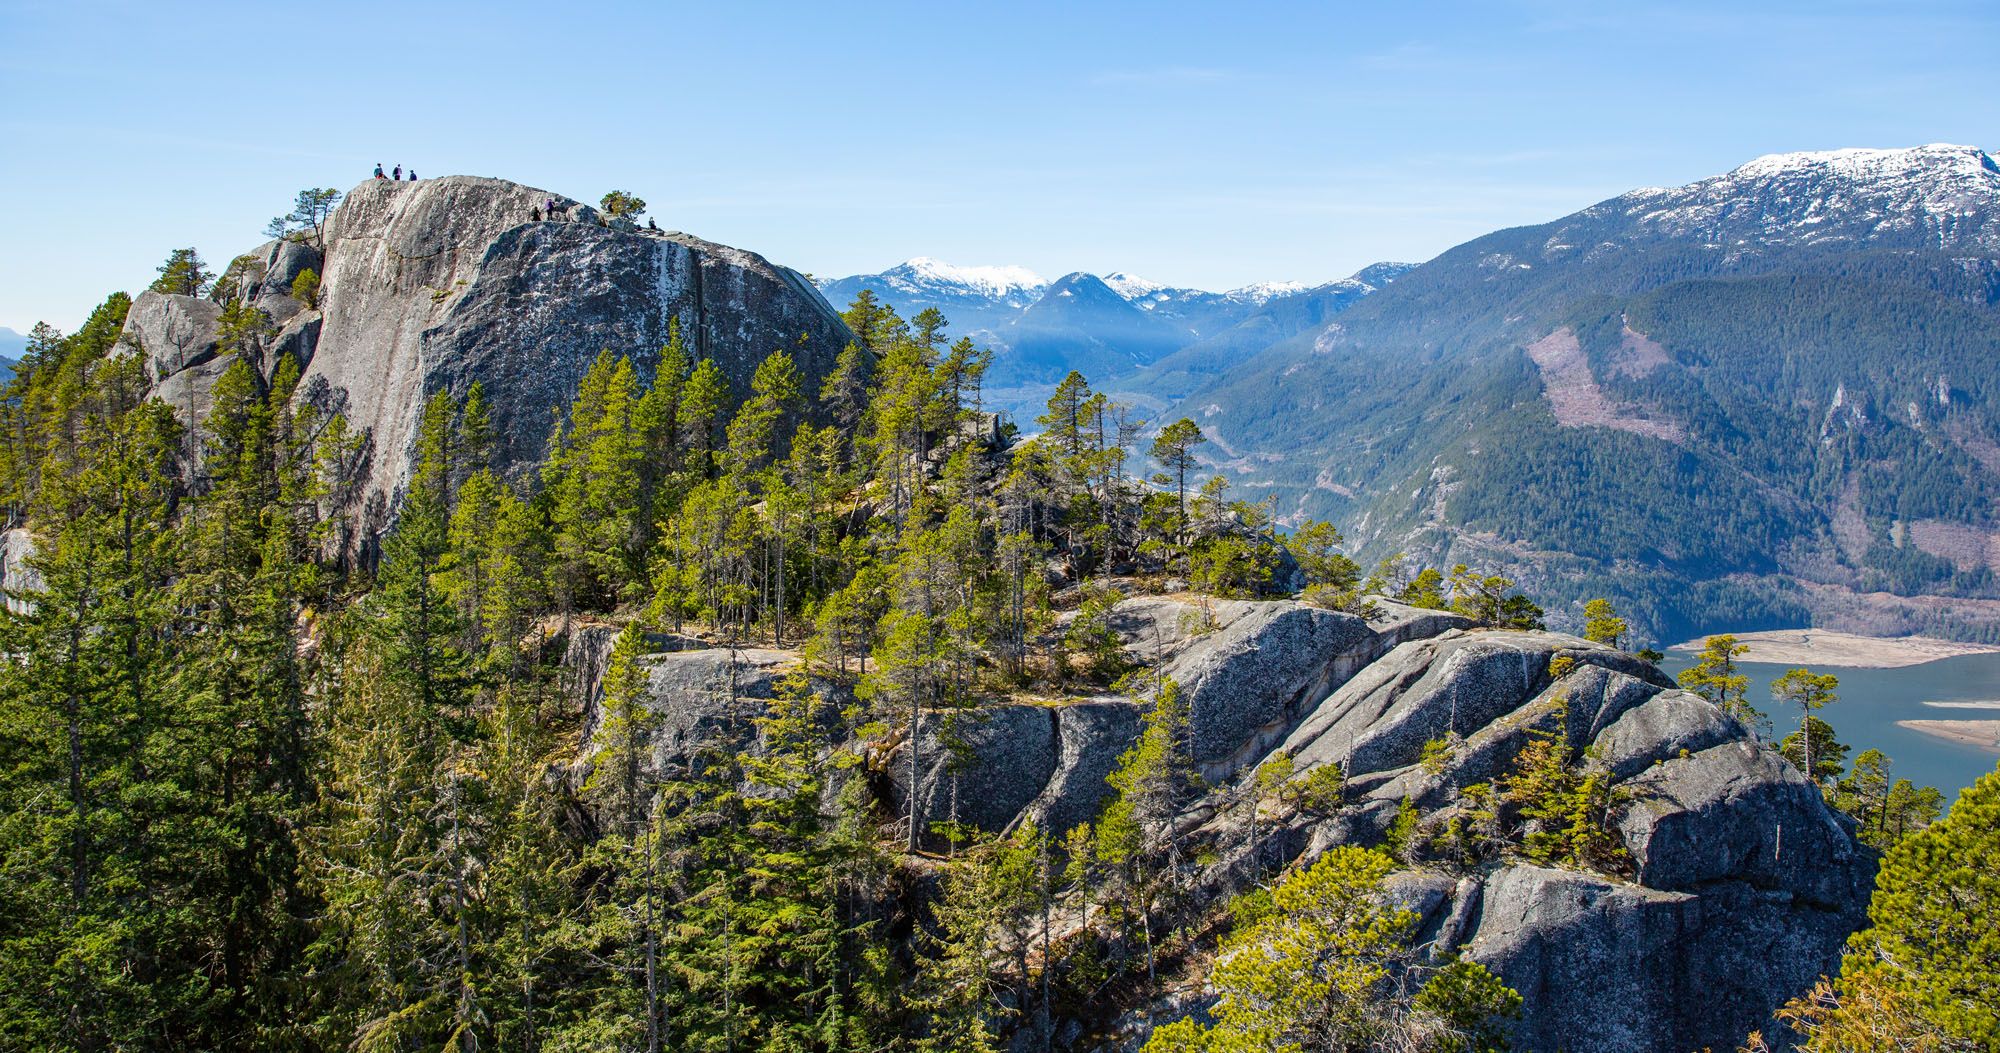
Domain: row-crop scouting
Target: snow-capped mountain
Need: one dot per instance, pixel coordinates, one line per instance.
(1660, 368)
(1108, 327)
(1936, 196)
(924, 275)
(1264, 292)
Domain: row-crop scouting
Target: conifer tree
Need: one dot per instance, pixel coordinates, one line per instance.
(1810, 692)
(1602, 623)
(1714, 677)
(184, 274)
(1925, 973)
(87, 962)
(397, 863)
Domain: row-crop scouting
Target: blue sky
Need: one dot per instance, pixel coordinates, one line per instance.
(1210, 145)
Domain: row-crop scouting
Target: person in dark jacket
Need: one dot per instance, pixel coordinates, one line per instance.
(413, 175)
(378, 172)
(399, 173)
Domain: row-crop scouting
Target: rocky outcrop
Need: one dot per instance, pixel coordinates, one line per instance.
(174, 333)
(1454, 684)
(17, 546)
(994, 767)
(263, 276)
(1250, 668)
(1742, 887)
(1737, 888)
(433, 286)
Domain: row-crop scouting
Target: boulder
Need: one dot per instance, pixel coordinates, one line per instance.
(264, 276)
(172, 332)
(697, 696)
(1452, 684)
(994, 767)
(432, 286)
(1606, 965)
(1598, 963)
(1739, 811)
(709, 697)
(1249, 668)
(981, 767)
(1091, 736)
(191, 391)
(1743, 884)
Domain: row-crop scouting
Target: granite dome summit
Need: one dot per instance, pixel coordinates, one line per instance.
(435, 285)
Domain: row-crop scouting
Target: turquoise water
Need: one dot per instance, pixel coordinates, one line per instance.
(1873, 700)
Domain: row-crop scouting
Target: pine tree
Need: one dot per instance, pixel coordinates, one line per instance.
(1925, 973)
(397, 860)
(88, 963)
(1714, 677)
(1320, 971)
(184, 274)
(704, 399)
(1602, 623)
(1810, 692)
(1174, 449)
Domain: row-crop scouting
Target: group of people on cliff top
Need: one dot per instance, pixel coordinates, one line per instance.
(550, 210)
(398, 176)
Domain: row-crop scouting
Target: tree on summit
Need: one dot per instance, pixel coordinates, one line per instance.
(1809, 691)
(1602, 623)
(310, 211)
(184, 274)
(619, 203)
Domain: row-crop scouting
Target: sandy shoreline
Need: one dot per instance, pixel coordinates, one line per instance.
(1984, 734)
(1820, 647)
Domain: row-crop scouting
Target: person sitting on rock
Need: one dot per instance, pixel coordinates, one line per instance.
(413, 175)
(650, 225)
(535, 214)
(378, 171)
(399, 173)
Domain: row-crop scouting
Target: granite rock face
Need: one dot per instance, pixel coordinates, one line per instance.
(434, 285)
(1742, 887)
(1739, 885)
(1249, 668)
(994, 767)
(17, 546)
(172, 332)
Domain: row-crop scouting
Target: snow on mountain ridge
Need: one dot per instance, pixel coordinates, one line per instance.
(1131, 286)
(1942, 194)
(1864, 163)
(1261, 293)
(997, 282)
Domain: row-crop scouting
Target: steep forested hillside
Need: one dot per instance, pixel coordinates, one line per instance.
(1757, 400)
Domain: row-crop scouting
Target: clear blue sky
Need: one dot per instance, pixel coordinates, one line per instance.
(1212, 145)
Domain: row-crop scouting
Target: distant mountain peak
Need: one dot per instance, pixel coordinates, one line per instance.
(999, 281)
(1261, 293)
(1870, 164)
(1131, 286)
(1936, 196)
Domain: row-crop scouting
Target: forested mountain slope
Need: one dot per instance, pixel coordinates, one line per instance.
(1762, 398)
